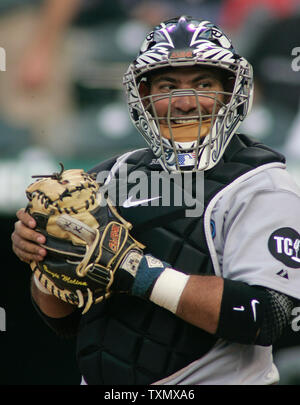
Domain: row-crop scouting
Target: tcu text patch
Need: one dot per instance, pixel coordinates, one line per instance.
(284, 245)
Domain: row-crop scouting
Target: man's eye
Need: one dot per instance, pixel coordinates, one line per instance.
(204, 85)
(166, 87)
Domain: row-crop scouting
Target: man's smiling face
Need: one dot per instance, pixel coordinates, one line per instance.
(183, 106)
(175, 97)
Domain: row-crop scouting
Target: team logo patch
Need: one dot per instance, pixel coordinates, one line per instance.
(284, 245)
(186, 159)
(213, 228)
(183, 53)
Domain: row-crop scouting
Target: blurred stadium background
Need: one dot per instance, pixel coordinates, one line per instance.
(63, 102)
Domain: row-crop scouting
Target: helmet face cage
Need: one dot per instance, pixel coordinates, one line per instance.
(183, 42)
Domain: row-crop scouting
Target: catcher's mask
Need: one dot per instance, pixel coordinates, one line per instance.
(197, 141)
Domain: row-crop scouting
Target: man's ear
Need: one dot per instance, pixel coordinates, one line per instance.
(144, 89)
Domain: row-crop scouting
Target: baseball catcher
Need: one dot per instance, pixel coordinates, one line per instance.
(87, 240)
(205, 297)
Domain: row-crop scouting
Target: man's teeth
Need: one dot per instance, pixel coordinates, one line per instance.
(191, 121)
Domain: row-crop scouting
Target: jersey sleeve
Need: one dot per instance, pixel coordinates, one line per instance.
(259, 234)
(65, 327)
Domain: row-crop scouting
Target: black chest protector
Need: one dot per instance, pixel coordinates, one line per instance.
(126, 340)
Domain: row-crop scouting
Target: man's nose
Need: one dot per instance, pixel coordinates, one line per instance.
(186, 103)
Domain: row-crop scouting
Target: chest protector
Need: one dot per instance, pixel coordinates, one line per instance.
(126, 340)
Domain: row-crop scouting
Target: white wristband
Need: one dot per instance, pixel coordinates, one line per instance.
(40, 286)
(168, 289)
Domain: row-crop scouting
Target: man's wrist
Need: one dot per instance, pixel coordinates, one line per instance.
(158, 282)
(168, 288)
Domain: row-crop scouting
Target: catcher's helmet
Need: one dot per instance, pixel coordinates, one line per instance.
(182, 42)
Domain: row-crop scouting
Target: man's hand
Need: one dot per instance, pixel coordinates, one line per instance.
(25, 245)
(25, 239)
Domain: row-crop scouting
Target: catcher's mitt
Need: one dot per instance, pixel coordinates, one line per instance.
(87, 239)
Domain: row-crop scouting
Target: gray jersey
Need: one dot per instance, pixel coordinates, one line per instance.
(256, 240)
